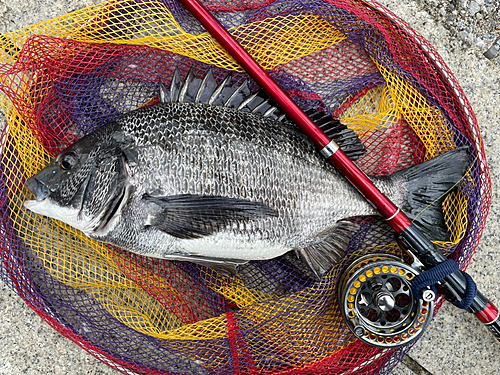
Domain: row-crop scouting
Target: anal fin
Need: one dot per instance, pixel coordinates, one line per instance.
(323, 255)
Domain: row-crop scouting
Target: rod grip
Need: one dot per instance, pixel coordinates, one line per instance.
(453, 286)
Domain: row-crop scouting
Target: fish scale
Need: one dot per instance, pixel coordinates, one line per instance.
(276, 170)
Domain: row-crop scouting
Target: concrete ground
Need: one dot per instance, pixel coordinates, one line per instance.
(456, 343)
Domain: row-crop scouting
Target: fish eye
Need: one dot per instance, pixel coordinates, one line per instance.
(67, 161)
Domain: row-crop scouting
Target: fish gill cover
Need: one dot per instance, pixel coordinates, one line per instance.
(63, 78)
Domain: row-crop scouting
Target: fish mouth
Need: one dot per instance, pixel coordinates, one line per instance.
(41, 193)
(113, 212)
(39, 190)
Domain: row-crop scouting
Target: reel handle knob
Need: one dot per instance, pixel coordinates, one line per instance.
(359, 331)
(428, 295)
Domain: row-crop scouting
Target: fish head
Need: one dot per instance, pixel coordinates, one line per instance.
(84, 186)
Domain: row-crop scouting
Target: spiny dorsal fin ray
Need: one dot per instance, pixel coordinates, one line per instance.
(238, 96)
(207, 87)
(270, 112)
(205, 90)
(282, 117)
(175, 87)
(163, 95)
(189, 88)
(263, 106)
(222, 92)
(256, 99)
(247, 101)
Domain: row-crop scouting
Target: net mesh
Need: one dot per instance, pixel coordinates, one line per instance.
(65, 77)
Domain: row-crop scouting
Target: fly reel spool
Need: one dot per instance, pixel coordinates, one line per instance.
(377, 302)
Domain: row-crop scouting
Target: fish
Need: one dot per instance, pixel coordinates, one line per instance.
(216, 174)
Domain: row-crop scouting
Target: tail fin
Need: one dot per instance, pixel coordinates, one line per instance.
(427, 183)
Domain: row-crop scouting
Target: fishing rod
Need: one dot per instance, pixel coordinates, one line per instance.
(457, 287)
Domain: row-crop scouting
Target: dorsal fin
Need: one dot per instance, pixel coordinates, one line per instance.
(171, 95)
(245, 102)
(345, 138)
(205, 90)
(226, 94)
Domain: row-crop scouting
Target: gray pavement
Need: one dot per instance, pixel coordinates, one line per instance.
(455, 343)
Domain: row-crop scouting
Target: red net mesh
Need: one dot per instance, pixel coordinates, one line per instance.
(64, 78)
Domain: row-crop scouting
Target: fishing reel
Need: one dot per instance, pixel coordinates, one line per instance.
(378, 304)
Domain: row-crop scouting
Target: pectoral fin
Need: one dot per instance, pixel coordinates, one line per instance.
(190, 216)
(322, 256)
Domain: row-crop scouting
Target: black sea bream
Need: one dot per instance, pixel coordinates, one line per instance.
(214, 174)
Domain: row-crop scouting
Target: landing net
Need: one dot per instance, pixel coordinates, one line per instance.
(63, 78)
